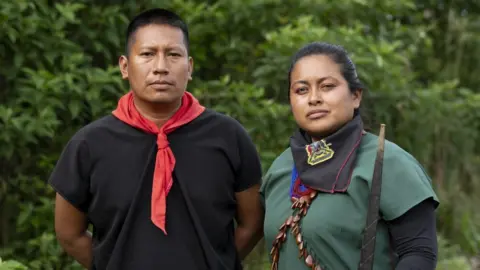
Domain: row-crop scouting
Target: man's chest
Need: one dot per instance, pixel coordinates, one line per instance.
(205, 168)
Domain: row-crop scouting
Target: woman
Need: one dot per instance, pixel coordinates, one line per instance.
(330, 164)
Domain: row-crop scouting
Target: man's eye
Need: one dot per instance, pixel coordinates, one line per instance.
(301, 90)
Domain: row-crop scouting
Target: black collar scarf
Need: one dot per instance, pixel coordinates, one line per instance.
(327, 165)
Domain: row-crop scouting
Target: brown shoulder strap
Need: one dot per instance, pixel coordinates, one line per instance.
(370, 231)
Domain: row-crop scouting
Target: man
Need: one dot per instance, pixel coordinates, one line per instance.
(163, 179)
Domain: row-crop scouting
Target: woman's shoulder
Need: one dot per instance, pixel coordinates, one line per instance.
(405, 181)
(394, 155)
(280, 168)
(284, 161)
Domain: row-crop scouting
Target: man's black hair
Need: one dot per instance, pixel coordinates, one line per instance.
(155, 16)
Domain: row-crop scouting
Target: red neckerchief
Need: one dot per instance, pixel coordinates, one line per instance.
(165, 160)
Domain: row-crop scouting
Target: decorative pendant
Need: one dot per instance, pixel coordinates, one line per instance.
(319, 152)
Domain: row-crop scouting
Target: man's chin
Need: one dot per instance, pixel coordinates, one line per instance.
(164, 98)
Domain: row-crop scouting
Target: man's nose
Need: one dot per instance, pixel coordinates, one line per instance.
(160, 65)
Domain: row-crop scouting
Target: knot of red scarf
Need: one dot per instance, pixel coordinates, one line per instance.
(165, 160)
(162, 141)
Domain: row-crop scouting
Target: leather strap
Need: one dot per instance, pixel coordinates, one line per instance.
(369, 237)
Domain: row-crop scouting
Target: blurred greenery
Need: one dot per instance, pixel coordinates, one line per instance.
(419, 60)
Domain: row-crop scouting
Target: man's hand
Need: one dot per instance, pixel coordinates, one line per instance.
(250, 216)
(71, 230)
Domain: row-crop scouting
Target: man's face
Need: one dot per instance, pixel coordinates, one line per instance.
(158, 67)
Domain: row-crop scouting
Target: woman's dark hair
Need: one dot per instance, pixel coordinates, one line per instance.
(338, 54)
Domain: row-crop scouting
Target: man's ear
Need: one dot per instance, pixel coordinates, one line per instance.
(190, 68)
(123, 65)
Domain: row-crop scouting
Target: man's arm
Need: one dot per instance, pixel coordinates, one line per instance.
(70, 178)
(250, 216)
(248, 178)
(71, 230)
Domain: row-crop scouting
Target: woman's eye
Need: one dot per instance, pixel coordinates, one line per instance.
(329, 86)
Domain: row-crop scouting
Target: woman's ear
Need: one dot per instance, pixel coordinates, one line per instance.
(357, 98)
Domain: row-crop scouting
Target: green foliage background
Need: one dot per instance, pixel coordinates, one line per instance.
(419, 59)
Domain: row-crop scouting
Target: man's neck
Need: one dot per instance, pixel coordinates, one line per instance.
(158, 113)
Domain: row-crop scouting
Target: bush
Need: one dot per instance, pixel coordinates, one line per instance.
(419, 60)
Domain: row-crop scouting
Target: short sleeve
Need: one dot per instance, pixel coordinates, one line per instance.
(280, 166)
(263, 188)
(249, 173)
(405, 184)
(70, 177)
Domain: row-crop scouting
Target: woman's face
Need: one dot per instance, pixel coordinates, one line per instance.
(319, 96)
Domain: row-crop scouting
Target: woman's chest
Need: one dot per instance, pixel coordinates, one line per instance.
(338, 215)
(332, 220)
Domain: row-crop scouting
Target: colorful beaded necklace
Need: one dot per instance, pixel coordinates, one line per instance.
(301, 197)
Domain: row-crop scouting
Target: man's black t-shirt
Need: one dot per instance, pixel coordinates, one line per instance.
(106, 171)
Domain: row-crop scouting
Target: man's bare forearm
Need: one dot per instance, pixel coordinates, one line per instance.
(80, 249)
(246, 239)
